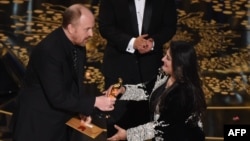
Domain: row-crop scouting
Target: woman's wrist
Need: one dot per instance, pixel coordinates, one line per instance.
(123, 89)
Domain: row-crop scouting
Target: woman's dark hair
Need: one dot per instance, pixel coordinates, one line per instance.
(186, 70)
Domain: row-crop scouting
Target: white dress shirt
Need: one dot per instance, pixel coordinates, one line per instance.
(139, 5)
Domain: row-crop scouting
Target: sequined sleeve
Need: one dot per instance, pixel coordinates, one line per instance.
(138, 92)
(134, 92)
(142, 132)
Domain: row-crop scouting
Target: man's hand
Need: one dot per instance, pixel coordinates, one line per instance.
(105, 103)
(86, 121)
(143, 45)
(114, 92)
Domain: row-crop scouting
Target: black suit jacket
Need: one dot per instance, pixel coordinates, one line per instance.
(118, 24)
(51, 93)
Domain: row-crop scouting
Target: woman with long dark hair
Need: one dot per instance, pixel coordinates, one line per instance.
(177, 101)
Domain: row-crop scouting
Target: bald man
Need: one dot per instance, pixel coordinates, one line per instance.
(52, 90)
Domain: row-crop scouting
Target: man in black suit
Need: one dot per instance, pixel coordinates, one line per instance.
(135, 31)
(53, 89)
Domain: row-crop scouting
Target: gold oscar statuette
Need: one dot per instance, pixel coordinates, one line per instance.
(115, 87)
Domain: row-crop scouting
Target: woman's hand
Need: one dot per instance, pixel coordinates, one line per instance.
(121, 134)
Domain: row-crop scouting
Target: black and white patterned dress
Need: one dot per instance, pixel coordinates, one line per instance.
(175, 122)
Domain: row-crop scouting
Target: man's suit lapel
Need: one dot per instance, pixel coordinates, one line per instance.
(68, 47)
(147, 16)
(132, 10)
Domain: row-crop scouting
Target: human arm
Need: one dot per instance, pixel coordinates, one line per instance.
(140, 43)
(112, 27)
(105, 103)
(134, 92)
(130, 92)
(121, 134)
(139, 91)
(119, 34)
(50, 70)
(163, 23)
(139, 133)
(143, 44)
(86, 121)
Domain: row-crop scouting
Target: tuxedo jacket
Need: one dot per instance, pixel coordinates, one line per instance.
(51, 92)
(118, 24)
